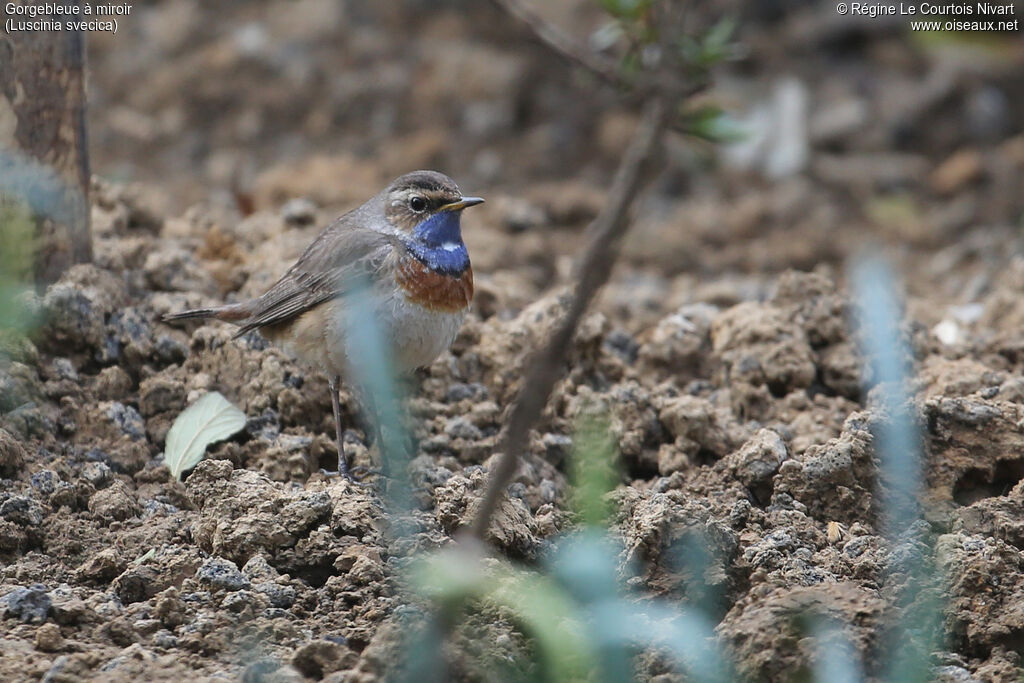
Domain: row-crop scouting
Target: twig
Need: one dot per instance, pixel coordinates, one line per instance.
(592, 272)
(671, 80)
(562, 44)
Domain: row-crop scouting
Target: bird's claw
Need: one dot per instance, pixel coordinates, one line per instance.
(362, 471)
(350, 476)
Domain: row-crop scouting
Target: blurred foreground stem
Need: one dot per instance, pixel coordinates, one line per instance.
(591, 273)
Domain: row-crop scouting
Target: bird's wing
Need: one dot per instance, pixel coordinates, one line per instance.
(330, 267)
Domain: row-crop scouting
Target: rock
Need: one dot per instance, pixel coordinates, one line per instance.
(278, 596)
(175, 269)
(22, 510)
(76, 307)
(461, 428)
(137, 583)
(656, 525)
(834, 481)
(19, 386)
(557, 447)
(757, 461)
(50, 486)
(1001, 517)
(169, 351)
(220, 574)
(766, 648)
(973, 441)
(702, 431)
(29, 605)
(758, 345)
(842, 369)
(12, 455)
(679, 342)
(68, 610)
(243, 513)
(458, 391)
(117, 502)
(64, 369)
(321, 657)
(512, 529)
(129, 338)
(258, 569)
(125, 419)
(29, 420)
(112, 384)
(169, 608)
(159, 394)
(982, 618)
(812, 301)
(164, 640)
(97, 473)
(45, 481)
(362, 564)
(103, 566)
(299, 211)
(243, 600)
(49, 638)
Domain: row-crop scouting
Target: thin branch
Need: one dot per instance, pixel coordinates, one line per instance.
(592, 272)
(563, 45)
(664, 81)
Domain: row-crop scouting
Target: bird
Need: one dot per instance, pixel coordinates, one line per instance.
(406, 245)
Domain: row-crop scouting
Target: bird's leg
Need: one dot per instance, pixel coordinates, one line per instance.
(333, 383)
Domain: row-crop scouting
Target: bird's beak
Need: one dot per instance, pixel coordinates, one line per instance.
(463, 203)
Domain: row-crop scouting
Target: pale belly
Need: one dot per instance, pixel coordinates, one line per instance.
(417, 336)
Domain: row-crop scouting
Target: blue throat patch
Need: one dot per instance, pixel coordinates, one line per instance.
(437, 242)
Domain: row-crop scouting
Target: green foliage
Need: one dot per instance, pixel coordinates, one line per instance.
(573, 608)
(17, 230)
(631, 10)
(907, 649)
(711, 123)
(639, 25)
(592, 470)
(711, 48)
(455, 581)
(211, 418)
(637, 33)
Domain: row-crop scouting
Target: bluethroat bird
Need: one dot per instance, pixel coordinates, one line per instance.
(406, 244)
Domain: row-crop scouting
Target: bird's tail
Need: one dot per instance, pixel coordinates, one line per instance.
(229, 313)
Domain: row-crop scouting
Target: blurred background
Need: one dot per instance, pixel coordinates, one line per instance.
(224, 135)
(854, 126)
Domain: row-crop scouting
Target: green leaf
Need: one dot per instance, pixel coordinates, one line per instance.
(211, 418)
(626, 9)
(711, 48)
(717, 40)
(712, 124)
(146, 557)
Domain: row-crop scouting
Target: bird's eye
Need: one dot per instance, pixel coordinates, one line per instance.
(417, 204)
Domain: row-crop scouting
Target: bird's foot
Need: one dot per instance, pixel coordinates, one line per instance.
(362, 471)
(353, 476)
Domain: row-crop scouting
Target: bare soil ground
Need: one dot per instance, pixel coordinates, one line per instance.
(721, 349)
